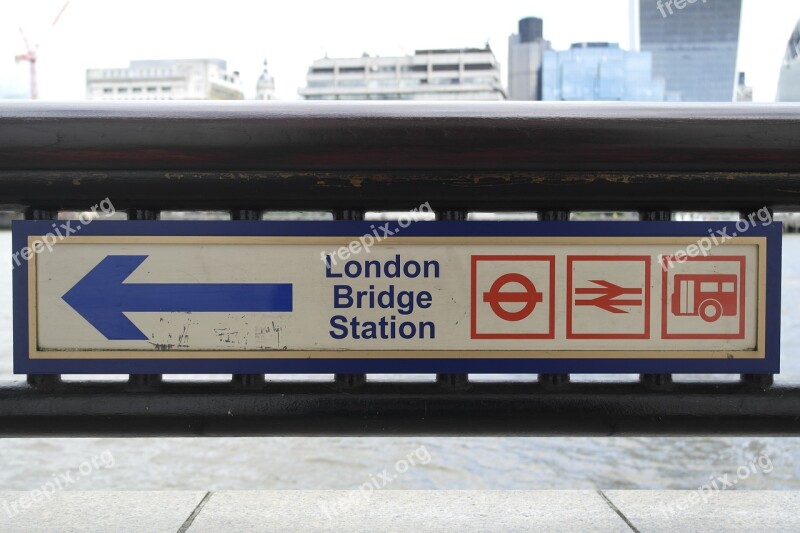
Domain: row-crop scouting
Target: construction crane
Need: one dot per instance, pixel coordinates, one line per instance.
(31, 55)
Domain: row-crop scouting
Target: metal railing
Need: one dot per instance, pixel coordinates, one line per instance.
(350, 158)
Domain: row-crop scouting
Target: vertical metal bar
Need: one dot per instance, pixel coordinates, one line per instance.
(553, 380)
(42, 380)
(247, 380)
(144, 214)
(349, 381)
(655, 381)
(452, 381)
(37, 213)
(452, 215)
(144, 380)
(553, 216)
(762, 381)
(246, 214)
(655, 216)
(348, 214)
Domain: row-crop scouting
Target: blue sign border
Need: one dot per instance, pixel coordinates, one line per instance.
(21, 229)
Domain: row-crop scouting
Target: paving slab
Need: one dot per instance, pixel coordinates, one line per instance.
(400, 510)
(709, 511)
(407, 510)
(96, 511)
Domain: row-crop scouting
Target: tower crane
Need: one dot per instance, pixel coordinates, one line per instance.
(31, 55)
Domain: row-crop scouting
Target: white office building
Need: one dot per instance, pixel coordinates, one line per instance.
(452, 74)
(170, 79)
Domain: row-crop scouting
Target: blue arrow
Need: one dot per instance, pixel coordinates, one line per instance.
(101, 297)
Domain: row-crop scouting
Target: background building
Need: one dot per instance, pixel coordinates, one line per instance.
(789, 82)
(599, 71)
(744, 92)
(694, 47)
(453, 74)
(170, 79)
(265, 88)
(525, 50)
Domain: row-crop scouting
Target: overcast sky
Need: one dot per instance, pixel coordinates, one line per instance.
(98, 33)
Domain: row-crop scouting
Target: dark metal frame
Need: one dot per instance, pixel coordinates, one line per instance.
(349, 158)
(385, 408)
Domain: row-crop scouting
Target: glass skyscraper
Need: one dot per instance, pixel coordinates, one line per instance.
(599, 71)
(525, 49)
(694, 46)
(789, 82)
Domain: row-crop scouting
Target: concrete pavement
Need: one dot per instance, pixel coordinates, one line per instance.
(399, 510)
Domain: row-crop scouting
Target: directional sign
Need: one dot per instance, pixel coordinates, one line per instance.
(277, 297)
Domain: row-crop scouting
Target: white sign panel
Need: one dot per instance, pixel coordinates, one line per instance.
(407, 297)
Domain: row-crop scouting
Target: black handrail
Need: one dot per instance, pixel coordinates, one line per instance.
(386, 408)
(498, 156)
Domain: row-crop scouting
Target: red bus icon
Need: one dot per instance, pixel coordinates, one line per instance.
(708, 296)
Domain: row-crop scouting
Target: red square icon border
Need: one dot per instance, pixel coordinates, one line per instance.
(551, 333)
(645, 259)
(665, 298)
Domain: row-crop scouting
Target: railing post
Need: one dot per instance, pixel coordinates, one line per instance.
(762, 381)
(349, 381)
(246, 214)
(42, 380)
(553, 215)
(655, 216)
(452, 215)
(655, 381)
(247, 380)
(144, 380)
(452, 381)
